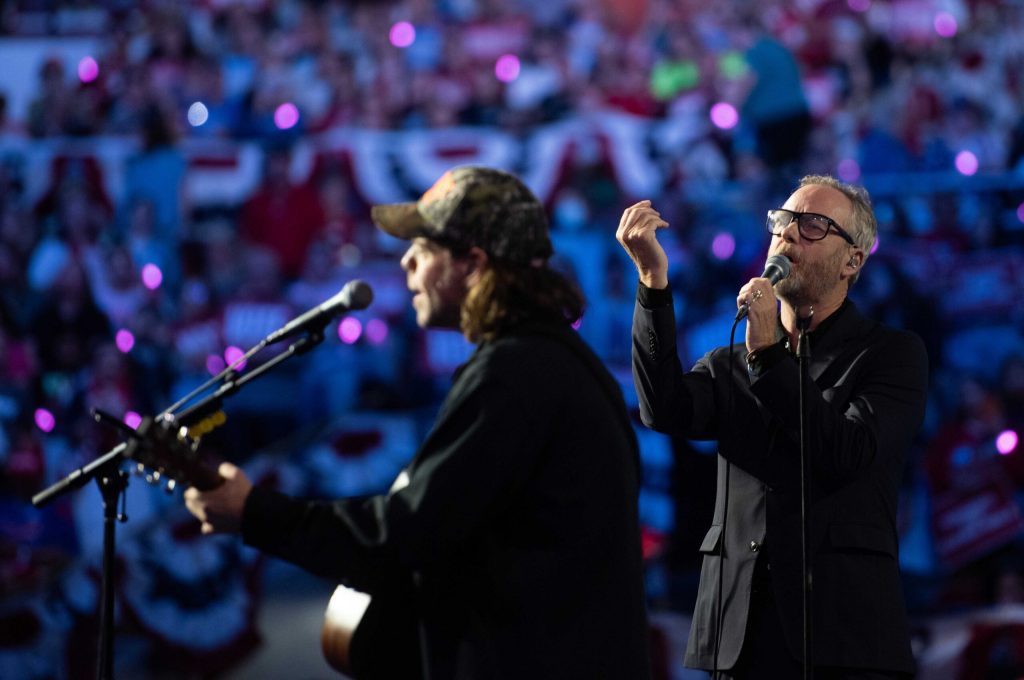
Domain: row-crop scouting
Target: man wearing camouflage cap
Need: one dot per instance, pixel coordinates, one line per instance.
(514, 529)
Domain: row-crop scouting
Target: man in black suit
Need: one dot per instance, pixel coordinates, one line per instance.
(865, 404)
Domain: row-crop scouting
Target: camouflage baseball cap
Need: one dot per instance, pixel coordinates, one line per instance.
(474, 206)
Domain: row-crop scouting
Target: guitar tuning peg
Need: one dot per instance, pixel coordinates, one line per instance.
(169, 486)
(139, 469)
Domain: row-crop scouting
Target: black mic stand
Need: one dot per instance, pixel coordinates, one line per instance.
(803, 354)
(113, 481)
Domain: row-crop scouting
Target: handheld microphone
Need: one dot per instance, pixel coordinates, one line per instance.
(776, 268)
(353, 296)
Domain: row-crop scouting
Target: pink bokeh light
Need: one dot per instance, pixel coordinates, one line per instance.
(376, 331)
(945, 24)
(45, 420)
(859, 5)
(349, 330)
(124, 340)
(723, 245)
(152, 277)
(577, 323)
(88, 70)
(132, 419)
(966, 163)
(233, 354)
(402, 34)
(215, 364)
(848, 170)
(1020, 212)
(1006, 442)
(286, 116)
(506, 69)
(724, 116)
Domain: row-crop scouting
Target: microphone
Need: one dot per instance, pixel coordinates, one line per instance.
(353, 296)
(776, 268)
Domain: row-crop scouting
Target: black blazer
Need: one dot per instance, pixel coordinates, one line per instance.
(866, 404)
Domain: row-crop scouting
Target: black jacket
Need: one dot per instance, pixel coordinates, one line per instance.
(866, 404)
(518, 524)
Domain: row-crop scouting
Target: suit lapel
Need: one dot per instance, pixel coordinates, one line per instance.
(839, 340)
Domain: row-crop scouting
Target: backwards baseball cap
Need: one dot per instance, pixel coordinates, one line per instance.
(474, 206)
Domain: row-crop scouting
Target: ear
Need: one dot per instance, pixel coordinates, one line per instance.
(854, 263)
(478, 262)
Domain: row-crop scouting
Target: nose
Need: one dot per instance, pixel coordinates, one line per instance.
(791, 232)
(408, 262)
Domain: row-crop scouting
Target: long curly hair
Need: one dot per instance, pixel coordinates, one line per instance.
(510, 294)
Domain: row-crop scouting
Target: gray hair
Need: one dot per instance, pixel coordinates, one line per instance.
(864, 229)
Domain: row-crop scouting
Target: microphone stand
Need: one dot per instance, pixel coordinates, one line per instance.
(113, 481)
(803, 354)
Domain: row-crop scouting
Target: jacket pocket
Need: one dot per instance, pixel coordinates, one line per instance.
(712, 540)
(848, 535)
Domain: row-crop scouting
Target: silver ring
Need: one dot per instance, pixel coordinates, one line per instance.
(756, 296)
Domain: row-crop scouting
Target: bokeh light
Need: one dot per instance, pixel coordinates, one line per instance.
(376, 331)
(215, 364)
(198, 114)
(88, 70)
(349, 330)
(848, 170)
(124, 340)
(286, 116)
(132, 420)
(966, 163)
(1007, 442)
(577, 323)
(152, 277)
(874, 246)
(669, 78)
(859, 5)
(945, 24)
(233, 354)
(723, 245)
(724, 116)
(732, 65)
(1020, 213)
(506, 69)
(402, 34)
(45, 420)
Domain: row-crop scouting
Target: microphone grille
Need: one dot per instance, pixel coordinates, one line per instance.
(358, 294)
(781, 263)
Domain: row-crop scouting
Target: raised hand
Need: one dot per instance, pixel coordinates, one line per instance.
(637, 233)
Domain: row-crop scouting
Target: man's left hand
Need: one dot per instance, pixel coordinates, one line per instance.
(762, 314)
(220, 510)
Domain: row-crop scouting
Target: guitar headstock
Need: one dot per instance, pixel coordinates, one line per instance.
(170, 452)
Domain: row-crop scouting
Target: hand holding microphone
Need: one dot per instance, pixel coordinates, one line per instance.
(776, 268)
(758, 300)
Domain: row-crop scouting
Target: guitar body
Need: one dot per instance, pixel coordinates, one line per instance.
(371, 638)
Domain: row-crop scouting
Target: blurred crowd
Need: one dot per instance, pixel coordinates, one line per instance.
(121, 291)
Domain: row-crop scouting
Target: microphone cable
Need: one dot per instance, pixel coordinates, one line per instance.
(725, 501)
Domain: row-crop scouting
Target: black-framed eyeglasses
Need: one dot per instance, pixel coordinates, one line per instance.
(811, 226)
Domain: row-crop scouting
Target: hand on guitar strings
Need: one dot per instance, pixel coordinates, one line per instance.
(220, 510)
